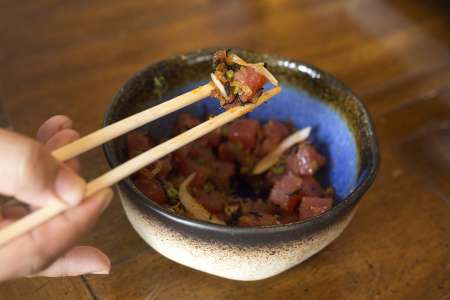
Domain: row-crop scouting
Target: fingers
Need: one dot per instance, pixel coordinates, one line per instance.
(32, 175)
(52, 126)
(61, 138)
(41, 246)
(56, 132)
(78, 261)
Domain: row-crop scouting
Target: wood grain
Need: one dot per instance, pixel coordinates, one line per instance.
(45, 288)
(70, 58)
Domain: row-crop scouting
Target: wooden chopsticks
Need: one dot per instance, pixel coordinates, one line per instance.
(112, 131)
(104, 135)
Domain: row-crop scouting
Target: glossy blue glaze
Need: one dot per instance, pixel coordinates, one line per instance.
(330, 133)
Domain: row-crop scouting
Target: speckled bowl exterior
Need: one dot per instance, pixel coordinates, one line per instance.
(342, 130)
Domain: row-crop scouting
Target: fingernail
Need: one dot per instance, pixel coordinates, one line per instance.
(69, 186)
(107, 197)
(67, 124)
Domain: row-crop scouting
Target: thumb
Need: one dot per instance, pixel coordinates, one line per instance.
(31, 174)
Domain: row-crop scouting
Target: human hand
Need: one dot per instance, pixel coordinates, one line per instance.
(30, 174)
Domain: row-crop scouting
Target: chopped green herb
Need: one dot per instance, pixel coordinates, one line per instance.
(172, 193)
(236, 90)
(157, 82)
(159, 86)
(278, 169)
(229, 74)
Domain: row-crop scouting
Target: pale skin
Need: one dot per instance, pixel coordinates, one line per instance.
(34, 178)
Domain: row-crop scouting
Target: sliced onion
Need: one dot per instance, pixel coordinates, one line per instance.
(150, 173)
(219, 86)
(264, 72)
(157, 169)
(237, 60)
(259, 67)
(272, 158)
(192, 206)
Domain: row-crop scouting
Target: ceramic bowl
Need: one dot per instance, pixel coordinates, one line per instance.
(342, 130)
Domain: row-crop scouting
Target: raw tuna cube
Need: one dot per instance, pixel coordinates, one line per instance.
(244, 132)
(274, 133)
(314, 206)
(283, 192)
(306, 160)
(152, 189)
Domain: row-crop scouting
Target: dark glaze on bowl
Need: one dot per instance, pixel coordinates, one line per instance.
(232, 252)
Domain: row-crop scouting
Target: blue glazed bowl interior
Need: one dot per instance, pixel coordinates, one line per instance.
(330, 134)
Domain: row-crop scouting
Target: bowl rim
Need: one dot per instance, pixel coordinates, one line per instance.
(307, 225)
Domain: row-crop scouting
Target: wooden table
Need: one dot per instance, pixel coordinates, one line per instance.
(70, 57)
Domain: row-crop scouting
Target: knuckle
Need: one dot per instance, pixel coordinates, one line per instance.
(35, 172)
(61, 138)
